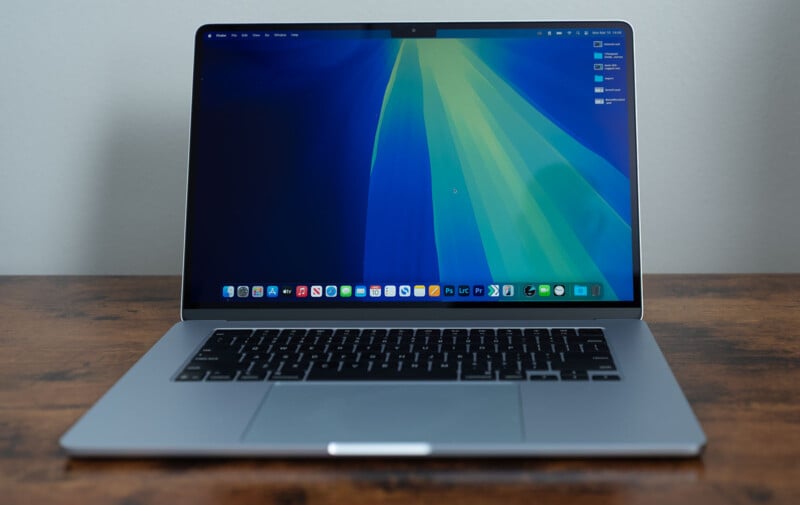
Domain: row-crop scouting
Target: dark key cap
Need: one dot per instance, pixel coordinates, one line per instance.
(190, 376)
(536, 332)
(547, 377)
(583, 365)
(428, 333)
(439, 374)
(412, 374)
(563, 332)
(324, 371)
(292, 333)
(221, 376)
(400, 333)
(458, 333)
(574, 375)
(595, 348)
(347, 333)
(252, 377)
(319, 333)
(594, 356)
(605, 377)
(233, 333)
(343, 371)
(372, 333)
(355, 368)
(512, 375)
(286, 376)
(298, 367)
(476, 372)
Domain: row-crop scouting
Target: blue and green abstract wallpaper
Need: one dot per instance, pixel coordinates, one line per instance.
(462, 159)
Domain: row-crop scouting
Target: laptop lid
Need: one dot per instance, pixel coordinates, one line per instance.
(428, 171)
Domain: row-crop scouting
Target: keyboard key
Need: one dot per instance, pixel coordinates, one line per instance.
(583, 365)
(428, 333)
(230, 334)
(515, 375)
(252, 377)
(190, 376)
(574, 375)
(221, 376)
(347, 333)
(605, 377)
(547, 377)
(286, 376)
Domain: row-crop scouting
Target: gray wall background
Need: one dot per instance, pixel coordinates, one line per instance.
(94, 112)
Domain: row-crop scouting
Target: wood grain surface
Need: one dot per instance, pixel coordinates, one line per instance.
(732, 341)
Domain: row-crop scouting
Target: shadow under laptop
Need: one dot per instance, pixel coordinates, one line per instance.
(228, 478)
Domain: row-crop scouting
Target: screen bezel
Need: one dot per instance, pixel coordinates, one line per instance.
(351, 309)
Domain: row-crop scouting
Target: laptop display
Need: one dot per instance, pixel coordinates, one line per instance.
(467, 165)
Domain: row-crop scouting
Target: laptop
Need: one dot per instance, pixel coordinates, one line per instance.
(406, 240)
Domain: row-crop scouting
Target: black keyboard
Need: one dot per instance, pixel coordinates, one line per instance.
(484, 354)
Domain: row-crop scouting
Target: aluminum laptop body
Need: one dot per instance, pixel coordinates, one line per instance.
(406, 240)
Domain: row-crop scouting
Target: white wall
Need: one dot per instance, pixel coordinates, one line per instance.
(94, 109)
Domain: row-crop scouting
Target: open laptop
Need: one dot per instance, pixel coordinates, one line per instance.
(406, 240)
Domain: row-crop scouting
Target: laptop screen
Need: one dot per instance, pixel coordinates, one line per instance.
(463, 164)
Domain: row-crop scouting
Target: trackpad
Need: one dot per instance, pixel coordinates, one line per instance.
(302, 413)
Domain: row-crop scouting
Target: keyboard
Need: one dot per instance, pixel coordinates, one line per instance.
(426, 354)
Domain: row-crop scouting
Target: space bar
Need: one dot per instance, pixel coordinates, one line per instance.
(382, 375)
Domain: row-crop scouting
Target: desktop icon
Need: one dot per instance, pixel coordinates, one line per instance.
(597, 43)
(598, 66)
(331, 291)
(598, 78)
(361, 291)
(257, 291)
(508, 290)
(598, 56)
(434, 290)
(301, 292)
(405, 291)
(390, 291)
(419, 290)
(272, 291)
(316, 291)
(243, 291)
(559, 290)
(346, 291)
(228, 291)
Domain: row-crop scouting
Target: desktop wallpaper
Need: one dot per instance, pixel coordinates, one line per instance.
(354, 157)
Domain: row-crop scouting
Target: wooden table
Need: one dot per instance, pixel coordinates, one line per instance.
(733, 343)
